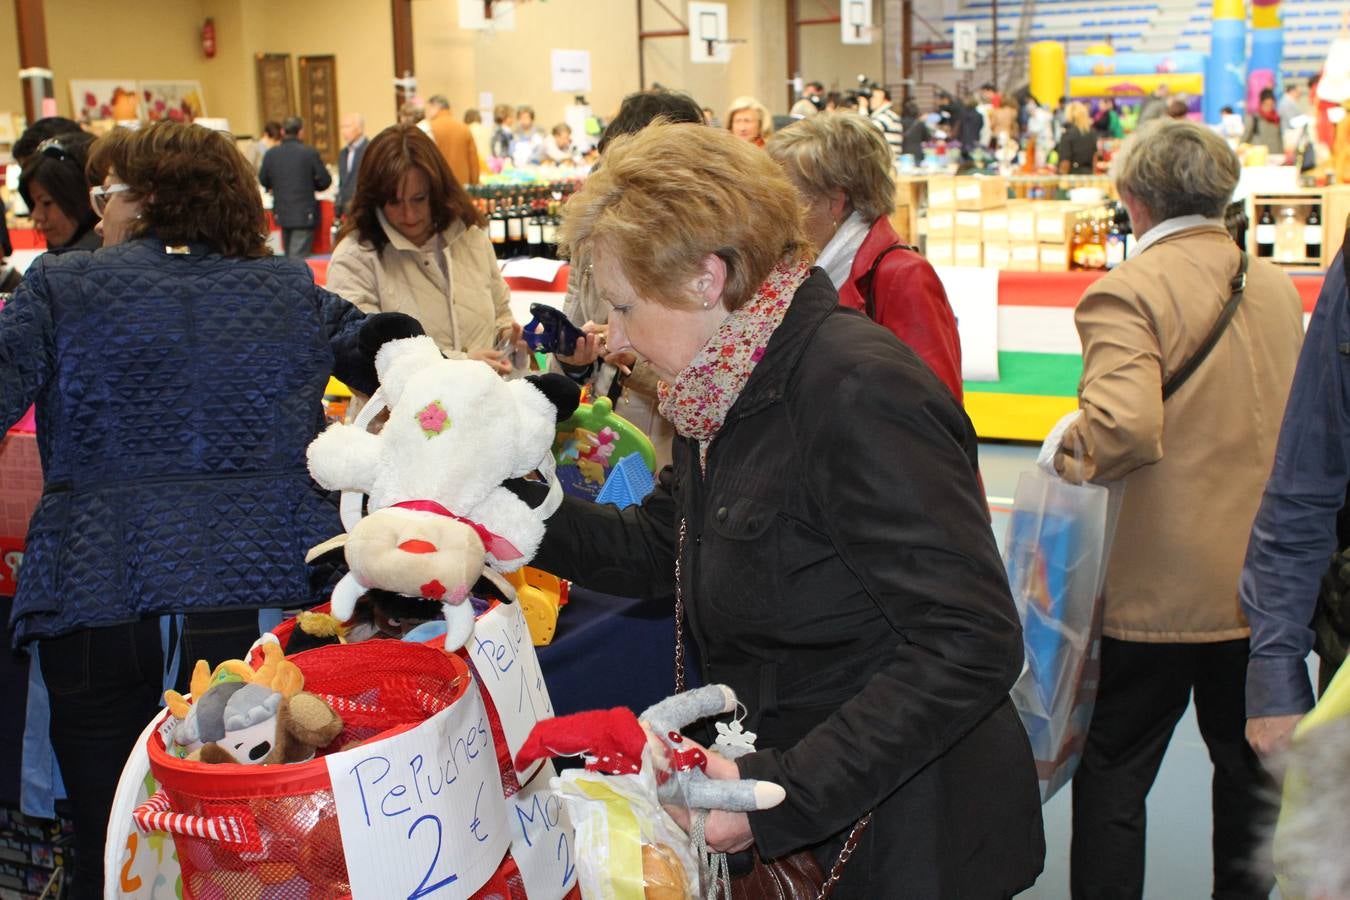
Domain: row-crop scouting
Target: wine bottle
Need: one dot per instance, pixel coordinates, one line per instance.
(497, 229)
(1265, 233)
(1312, 235)
(534, 232)
(1115, 240)
(515, 229)
(550, 230)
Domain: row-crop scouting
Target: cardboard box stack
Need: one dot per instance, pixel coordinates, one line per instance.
(957, 209)
(971, 222)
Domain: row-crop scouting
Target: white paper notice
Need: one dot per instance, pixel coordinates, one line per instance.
(973, 294)
(542, 841)
(503, 655)
(572, 71)
(422, 812)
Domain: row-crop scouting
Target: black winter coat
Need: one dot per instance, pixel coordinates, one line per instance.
(293, 171)
(840, 574)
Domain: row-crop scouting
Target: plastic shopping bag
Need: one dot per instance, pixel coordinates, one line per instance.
(1055, 554)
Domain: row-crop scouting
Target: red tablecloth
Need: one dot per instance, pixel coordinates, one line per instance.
(323, 234)
(1066, 288)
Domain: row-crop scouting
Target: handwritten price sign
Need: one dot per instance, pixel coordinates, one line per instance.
(503, 655)
(422, 812)
(542, 841)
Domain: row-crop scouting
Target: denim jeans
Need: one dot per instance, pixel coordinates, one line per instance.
(105, 686)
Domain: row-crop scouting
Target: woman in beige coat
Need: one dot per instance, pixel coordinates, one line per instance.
(414, 243)
(1193, 468)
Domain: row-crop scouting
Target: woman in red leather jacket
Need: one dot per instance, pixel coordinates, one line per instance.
(841, 166)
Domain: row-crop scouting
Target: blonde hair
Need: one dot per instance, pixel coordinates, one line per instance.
(743, 103)
(1076, 114)
(671, 194)
(838, 151)
(1173, 167)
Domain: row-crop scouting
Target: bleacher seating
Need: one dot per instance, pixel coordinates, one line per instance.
(1146, 26)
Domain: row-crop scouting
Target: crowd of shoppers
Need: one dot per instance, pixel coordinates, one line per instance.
(730, 280)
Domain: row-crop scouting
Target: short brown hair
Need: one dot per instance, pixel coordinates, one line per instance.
(193, 183)
(670, 194)
(392, 154)
(838, 151)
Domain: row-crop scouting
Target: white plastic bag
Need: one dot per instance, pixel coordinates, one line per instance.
(1056, 552)
(627, 846)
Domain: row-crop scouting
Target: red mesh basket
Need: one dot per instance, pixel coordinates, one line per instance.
(254, 831)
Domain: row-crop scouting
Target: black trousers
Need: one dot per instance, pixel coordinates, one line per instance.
(1144, 691)
(105, 686)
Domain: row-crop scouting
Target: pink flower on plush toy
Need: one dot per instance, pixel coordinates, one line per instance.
(433, 418)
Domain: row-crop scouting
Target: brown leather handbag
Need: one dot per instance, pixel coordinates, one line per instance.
(797, 876)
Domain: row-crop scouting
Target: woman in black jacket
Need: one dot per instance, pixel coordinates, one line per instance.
(835, 562)
(1078, 147)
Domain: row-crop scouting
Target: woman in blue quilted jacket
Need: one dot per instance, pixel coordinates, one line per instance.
(178, 374)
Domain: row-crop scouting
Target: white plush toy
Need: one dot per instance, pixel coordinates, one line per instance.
(438, 510)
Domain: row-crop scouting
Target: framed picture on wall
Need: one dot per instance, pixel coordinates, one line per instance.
(319, 105)
(276, 96)
(176, 101)
(116, 99)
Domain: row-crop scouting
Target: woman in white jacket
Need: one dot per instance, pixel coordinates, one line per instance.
(415, 243)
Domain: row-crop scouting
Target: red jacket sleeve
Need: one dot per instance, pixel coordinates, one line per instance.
(911, 302)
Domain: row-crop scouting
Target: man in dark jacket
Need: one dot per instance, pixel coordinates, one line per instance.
(292, 171)
(349, 160)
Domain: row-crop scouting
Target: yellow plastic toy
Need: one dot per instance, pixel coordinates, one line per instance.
(541, 596)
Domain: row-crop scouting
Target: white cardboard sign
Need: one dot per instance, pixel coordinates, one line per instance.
(422, 812)
(503, 656)
(964, 46)
(708, 33)
(973, 295)
(572, 71)
(855, 22)
(542, 841)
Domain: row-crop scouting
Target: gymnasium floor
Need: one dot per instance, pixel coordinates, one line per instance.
(1179, 858)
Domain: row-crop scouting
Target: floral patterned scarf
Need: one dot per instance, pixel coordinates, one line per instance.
(698, 402)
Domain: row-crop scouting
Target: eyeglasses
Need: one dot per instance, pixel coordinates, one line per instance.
(99, 196)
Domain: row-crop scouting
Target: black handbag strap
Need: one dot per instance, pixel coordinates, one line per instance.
(869, 297)
(1239, 290)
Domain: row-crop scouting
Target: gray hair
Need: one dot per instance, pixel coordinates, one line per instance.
(1177, 168)
(838, 151)
(1315, 821)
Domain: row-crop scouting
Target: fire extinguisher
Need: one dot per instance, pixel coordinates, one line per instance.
(209, 39)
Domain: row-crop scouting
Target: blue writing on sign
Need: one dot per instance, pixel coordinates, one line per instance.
(477, 823)
(543, 813)
(423, 889)
(393, 790)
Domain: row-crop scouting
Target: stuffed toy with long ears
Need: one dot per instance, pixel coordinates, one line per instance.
(440, 514)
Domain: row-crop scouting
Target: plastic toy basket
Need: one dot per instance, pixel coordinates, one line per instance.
(252, 831)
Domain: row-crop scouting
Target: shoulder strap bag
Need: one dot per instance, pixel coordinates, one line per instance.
(1187, 369)
(797, 876)
(869, 297)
